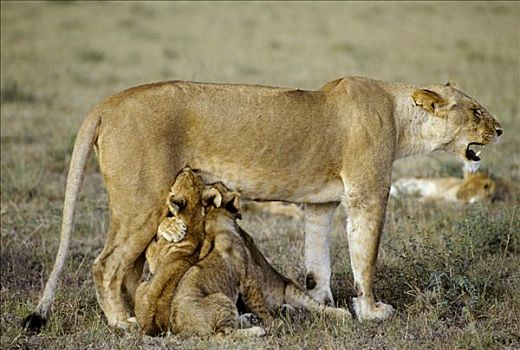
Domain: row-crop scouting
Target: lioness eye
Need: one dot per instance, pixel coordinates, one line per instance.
(477, 112)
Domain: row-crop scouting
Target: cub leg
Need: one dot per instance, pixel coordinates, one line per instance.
(254, 300)
(213, 314)
(296, 297)
(318, 228)
(153, 299)
(364, 227)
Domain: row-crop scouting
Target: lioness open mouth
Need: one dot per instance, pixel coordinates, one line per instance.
(473, 151)
(472, 157)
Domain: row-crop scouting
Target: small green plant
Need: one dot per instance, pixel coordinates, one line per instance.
(92, 56)
(453, 279)
(12, 92)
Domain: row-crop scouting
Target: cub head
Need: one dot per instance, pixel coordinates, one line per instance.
(462, 125)
(185, 198)
(186, 211)
(476, 187)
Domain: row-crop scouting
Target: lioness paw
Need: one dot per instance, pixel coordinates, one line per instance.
(367, 312)
(322, 295)
(172, 229)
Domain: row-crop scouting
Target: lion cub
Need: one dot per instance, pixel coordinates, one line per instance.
(230, 263)
(168, 262)
(206, 296)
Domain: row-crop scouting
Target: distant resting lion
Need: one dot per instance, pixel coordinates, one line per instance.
(319, 148)
(474, 187)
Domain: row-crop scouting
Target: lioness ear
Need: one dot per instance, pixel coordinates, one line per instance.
(451, 84)
(430, 101)
(211, 196)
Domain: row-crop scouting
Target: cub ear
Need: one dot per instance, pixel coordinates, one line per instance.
(430, 101)
(233, 202)
(211, 196)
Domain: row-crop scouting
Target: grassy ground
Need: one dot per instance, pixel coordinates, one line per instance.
(453, 273)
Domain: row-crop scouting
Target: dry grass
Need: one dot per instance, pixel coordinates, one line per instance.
(453, 273)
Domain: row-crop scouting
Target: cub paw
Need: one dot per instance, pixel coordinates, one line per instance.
(366, 312)
(287, 309)
(172, 229)
(253, 332)
(338, 313)
(130, 324)
(247, 321)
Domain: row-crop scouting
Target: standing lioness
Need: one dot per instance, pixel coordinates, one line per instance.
(336, 144)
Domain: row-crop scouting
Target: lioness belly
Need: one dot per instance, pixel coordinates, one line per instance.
(270, 144)
(289, 187)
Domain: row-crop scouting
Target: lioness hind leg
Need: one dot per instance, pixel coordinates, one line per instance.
(318, 228)
(117, 270)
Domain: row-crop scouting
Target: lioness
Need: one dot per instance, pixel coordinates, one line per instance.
(229, 263)
(169, 262)
(474, 187)
(335, 144)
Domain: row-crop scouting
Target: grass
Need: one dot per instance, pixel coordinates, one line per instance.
(453, 273)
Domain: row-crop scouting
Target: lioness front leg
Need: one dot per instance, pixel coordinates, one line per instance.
(318, 227)
(364, 228)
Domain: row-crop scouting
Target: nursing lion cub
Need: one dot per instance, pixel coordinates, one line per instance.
(230, 263)
(169, 262)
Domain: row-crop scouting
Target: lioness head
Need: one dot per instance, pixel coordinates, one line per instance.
(463, 124)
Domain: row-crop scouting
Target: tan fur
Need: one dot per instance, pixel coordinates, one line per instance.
(290, 210)
(204, 302)
(334, 144)
(474, 187)
(169, 262)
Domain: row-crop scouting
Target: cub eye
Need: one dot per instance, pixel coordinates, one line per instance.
(180, 203)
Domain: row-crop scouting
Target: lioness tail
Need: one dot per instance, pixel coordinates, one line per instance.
(85, 140)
